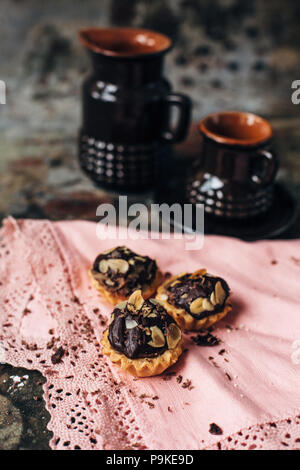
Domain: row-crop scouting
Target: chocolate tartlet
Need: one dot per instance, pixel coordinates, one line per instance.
(195, 300)
(118, 272)
(142, 338)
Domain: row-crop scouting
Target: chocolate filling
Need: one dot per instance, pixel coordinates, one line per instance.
(127, 272)
(131, 330)
(183, 291)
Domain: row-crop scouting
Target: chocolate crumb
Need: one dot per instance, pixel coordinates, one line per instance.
(155, 398)
(295, 260)
(96, 310)
(151, 405)
(215, 429)
(167, 378)
(206, 339)
(228, 376)
(142, 396)
(215, 364)
(170, 409)
(222, 351)
(179, 379)
(273, 425)
(167, 275)
(57, 356)
(274, 261)
(188, 384)
(284, 443)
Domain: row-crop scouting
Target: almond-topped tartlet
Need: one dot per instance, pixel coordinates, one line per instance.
(118, 272)
(195, 300)
(142, 338)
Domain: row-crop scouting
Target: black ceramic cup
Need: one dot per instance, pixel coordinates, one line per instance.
(235, 172)
(127, 130)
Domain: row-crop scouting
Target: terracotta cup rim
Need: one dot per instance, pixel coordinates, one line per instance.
(236, 128)
(124, 42)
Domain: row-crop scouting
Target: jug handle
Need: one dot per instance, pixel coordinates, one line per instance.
(271, 167)
(184, 106)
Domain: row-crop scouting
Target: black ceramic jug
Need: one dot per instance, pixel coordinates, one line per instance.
(234, 175)
(127, 109)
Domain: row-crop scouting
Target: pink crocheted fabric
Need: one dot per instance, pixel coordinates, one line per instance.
(248, 385)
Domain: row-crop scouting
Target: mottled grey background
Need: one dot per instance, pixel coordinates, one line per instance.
(227, 54)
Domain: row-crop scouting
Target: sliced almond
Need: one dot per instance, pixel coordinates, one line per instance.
(197, 305)
(140, 258)
(213, 298)
(98, 276)
(152, 315)
(136, 299)
(130, 323)
(108, 282)
(220, 294)
(207, 305)
(103, 266)
(163, 297)
(158, 339)
(173, 335)
(121, 305)
(118, 265)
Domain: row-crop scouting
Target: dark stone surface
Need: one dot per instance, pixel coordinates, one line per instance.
(228, 54)
(23, 418)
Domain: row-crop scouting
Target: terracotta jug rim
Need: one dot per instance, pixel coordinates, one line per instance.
(236, 128)
(124, 42)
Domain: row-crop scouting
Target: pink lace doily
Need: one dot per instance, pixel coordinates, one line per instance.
(52, 320)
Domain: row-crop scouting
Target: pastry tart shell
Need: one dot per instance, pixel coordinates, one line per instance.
(142, 367)
(184, 319)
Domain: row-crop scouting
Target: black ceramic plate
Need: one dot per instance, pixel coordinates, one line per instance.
(272, 224)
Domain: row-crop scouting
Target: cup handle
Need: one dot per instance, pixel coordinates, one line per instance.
(271, 166)
(184, 106)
